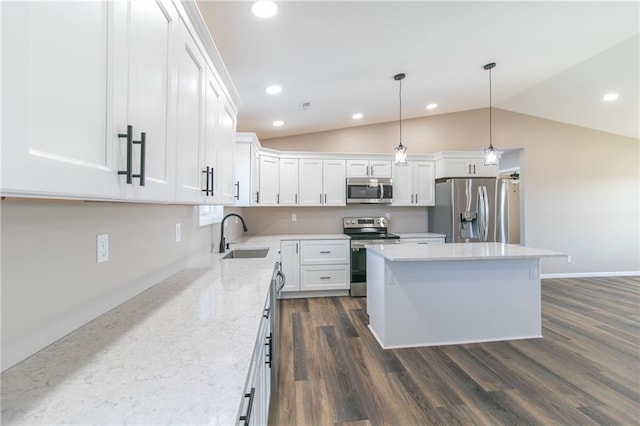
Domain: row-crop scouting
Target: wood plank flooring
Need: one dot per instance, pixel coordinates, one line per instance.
(585, 371)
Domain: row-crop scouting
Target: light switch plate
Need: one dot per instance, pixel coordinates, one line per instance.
(178, 232)
(102, 248)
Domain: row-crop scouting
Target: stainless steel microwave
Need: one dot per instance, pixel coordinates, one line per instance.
(369, 190)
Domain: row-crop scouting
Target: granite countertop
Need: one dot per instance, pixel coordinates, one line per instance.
(413, 252)
(178, 353)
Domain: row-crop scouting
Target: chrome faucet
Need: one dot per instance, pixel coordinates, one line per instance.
(244, 227)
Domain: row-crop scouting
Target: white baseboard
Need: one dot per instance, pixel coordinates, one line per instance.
(591, 274)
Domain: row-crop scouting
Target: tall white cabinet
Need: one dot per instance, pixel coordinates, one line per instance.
(108, 102)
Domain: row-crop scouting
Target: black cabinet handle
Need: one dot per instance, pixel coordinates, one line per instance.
(237, 190)
(143, 147)
(474, 169)
(266, 312)
(325, 252)
(469, 168)
(129, 136)
(247, 417)
(257, 197)
(206, 187)
(211, 173)
(325, 278)
(269, 345)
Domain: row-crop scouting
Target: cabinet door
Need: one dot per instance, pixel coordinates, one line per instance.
(242, 172)
(190, 104)
(310, 182)
(324, 277)
(290, 256)
(357, 168)
(269, 180)
(334, 183)
(380, 168)
(324, 252)
(423, 183)
(57, 134)
(403, 193)
(209, 170)
(225, 153)
(288, 182)
(151, 34)
(480, 170)
(255, 176)
(457, 167)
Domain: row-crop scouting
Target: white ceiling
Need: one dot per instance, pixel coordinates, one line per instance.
(554, 60)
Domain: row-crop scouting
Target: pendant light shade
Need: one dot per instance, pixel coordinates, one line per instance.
(490, 154)
(401, 150)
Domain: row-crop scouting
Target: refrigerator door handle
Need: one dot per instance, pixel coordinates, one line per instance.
(480, 215)
(487, 214)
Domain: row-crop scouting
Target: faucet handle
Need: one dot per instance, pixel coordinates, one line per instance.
(228, 244)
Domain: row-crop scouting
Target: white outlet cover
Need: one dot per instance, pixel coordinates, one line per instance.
(178, 232)
(102, 248)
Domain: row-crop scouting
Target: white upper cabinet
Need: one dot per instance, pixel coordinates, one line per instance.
(414, 184)
(322, 182)
(225, 151)
(368, 168)
(108, 102)
(288, 195)
(145, 72)
(190, 135)
(463, 164)
(57, 135)
(269, 180)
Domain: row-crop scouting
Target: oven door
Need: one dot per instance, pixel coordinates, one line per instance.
(358, 269)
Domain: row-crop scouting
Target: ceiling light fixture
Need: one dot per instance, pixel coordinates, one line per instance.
(264, 8)
(490, 154)
(432, 106)
(278, 123)
(274, 89)
(610, 97)
(401, 150)
(357, 116)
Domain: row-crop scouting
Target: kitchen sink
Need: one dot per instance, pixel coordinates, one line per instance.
(246, 253)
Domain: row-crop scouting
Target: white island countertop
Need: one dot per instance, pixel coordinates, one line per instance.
(416, 252)
(177, 353)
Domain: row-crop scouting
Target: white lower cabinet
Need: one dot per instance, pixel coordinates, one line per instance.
(316, 265)
(290, 257)
(254, 409)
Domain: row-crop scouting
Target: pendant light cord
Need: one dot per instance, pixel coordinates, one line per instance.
(490, 117)
(400, 112)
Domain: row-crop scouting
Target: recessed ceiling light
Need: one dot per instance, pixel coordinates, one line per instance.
(610, 97)
(357, 116)
(432, 106)
(274, 89)
(264, 8)
(278, 123)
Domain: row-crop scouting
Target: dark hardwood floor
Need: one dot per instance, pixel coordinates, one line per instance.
(586, 369)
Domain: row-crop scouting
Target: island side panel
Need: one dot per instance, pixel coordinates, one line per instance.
(375, 294)
(430, 303)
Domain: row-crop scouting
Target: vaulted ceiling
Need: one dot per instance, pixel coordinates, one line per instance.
(555, 60)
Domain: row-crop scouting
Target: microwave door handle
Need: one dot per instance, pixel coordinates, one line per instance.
(381, 190)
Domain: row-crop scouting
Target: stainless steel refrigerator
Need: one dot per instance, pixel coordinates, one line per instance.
(465, 209)
(508, 213)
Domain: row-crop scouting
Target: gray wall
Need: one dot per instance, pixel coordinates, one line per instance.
(580, 186)
(51, 283)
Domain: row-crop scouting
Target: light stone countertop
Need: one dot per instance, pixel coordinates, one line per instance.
(178, 353)
(416, 252)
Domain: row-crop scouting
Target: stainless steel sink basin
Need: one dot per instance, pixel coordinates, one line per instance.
(246, 253)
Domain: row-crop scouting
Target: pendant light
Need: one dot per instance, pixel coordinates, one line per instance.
(401, 150)
(490, 154)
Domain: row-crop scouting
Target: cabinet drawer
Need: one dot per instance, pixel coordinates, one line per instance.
(325, 277)
(324, 252)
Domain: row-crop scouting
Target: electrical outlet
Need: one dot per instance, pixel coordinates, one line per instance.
(388, 215)
(294, 217)
(102, 248)
(178, 232)
(569, 259)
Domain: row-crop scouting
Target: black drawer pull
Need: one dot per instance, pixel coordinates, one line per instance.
(266, 313)
(269, 344)
(247, 417)
(325, 252)
(325, 278)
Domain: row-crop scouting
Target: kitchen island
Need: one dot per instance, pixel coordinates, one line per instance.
(442, 294)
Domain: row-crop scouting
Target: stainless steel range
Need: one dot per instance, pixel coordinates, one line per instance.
(363, 231)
